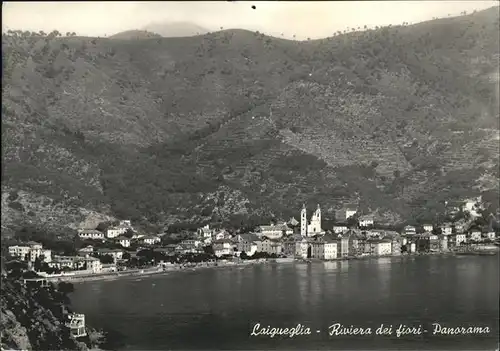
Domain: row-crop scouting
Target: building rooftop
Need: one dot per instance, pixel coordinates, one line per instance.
(119, 227)
(222, 241)
(89, 231)
(150, 237)
(33, 243)
(250, 237)
(109, 250)
(122, 237)
(279, 226)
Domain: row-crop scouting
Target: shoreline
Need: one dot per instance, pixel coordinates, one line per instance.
(153, 271)
(148, 272)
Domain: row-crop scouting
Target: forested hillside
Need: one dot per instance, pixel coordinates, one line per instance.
(238, 126)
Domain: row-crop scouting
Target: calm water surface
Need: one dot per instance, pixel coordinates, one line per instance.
(217, 308)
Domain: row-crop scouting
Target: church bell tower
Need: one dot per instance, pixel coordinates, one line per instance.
(303, 221)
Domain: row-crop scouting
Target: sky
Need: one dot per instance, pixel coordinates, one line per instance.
(301, 18)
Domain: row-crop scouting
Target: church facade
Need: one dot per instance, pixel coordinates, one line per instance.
(313, 227)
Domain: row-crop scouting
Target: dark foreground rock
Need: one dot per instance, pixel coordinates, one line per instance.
(33, 318)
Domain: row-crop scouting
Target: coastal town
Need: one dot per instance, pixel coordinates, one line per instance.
(120, 249)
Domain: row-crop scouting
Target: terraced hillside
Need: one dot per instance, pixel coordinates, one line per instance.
(238, 126)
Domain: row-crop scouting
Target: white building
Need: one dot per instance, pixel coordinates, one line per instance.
(93, 264)
(297, 247)
(86, 251)
(366, 221)
(47, 254)
(378, 247)
(90, 234)
(460, 238)
(446, 229)
(324, 248)
(123, 241)
(340, 228)
(35, 251)
(459, 226)
(274, 231)
(343, 245)
(76, 325)
(373, 234)
(302, 248)
(205, 232)
(409, 230)
(151, 240)
(19, 251)
(293, 222)
(40, 253)
(345, 213)
(472, 206)
(30, 252)
(223, 234)
(191, 242)
(490, 235)
(475, 235)
(314, 226)
(248, 243)
(117, 254)
(270, 246)
(428, 227)
(126, 223)
(113, 232)
(412, 247)
(71, 262)
(443, 242)
(223, 247)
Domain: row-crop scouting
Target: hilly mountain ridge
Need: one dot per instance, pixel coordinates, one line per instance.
(175, 29)
(240, 127)
(134, 35)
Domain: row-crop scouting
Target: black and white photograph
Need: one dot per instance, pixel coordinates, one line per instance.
(250, 175)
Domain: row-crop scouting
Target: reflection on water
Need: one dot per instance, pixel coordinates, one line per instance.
(219, 305)
(330, 265)
(344, 266)
(341, 266)
(383, 275)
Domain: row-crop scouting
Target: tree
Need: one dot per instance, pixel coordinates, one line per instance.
(106, 259)
(103, 226)
(243, 255)
(15, 268)
(146, 255)
(37, 265)
(209, 250)
(352, 221)
(129, 233)
(437, 231)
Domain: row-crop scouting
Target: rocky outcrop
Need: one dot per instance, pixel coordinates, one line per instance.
(33, 319)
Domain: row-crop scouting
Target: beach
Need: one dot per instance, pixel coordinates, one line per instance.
(151, 271)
